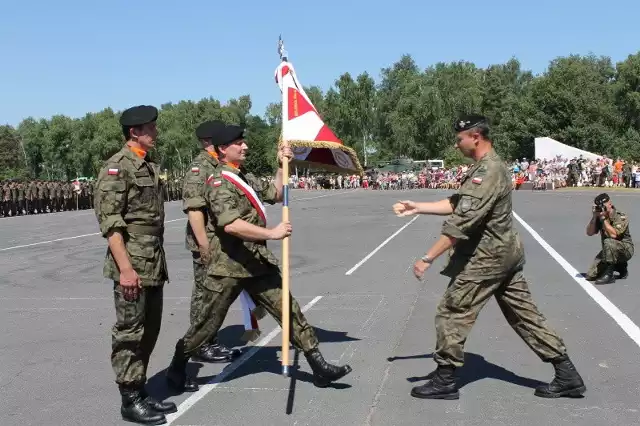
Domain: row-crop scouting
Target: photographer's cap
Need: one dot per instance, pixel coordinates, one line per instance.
(602, 198)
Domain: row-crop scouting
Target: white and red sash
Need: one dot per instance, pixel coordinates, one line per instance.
(249, 314)
(248, 192)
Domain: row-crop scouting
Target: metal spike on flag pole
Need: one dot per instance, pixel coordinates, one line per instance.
(314, 146)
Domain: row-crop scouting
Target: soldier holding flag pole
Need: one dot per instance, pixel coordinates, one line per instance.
(240, 259)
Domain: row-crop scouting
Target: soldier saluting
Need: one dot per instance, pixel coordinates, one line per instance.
(487, 261)
(130, 209)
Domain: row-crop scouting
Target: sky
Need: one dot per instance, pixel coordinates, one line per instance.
(72, 57)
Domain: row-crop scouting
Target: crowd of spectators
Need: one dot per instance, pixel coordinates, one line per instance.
(558, 172)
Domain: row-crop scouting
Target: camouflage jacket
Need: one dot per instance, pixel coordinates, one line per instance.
(620, 222)
(231, 256)
(129, 198)
(193, 192)
(482, 222)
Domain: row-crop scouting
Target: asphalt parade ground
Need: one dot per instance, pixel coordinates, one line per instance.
(351, 270)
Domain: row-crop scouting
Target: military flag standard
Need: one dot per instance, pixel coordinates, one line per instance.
(315, 146)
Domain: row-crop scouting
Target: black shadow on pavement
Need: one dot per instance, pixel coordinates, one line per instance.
(476, 368)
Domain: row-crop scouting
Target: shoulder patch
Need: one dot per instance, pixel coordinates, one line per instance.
(477, 180)
(195, 170)
(115, 158)
(113, 171)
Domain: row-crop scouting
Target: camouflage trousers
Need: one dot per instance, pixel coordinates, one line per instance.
(218, 293)
(198, 292)
(134, 335)
(464, 299)
(613, 252)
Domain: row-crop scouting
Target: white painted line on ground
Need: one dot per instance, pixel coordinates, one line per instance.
(215, 382)
(168, 221)
(629, 327)
(322, 196)
(68, 238)
(384, 243)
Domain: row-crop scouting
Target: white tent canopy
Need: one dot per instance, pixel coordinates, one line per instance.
(548, 149)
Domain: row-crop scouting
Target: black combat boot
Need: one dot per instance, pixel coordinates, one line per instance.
(442, 385)
(177, 377)
(607, 277)
(567, 381)
(216, 352)
(621, 268)
(135, 409)
(323, 372)
(159, 406)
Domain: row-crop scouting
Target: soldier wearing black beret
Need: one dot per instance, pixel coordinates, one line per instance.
(129, 206)
(617, 245)
(487, 256)
(198, 234)
(244, 264)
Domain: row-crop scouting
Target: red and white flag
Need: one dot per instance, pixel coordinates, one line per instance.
(313, 143)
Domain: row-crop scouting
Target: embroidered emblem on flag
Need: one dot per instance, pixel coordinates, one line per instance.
(476, 180)
(113, 171)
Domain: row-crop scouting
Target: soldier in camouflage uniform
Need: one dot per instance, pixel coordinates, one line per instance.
(129, 206)
(240, 260)
(486, 259)
(5, 192)
(20, 189)
(197, 237)
(617, 245)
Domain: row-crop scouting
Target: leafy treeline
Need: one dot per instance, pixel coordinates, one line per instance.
(583, 101)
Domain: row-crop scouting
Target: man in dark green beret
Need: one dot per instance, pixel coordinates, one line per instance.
(129, 205)
(199, 235)
(487, 259)
(241, 260)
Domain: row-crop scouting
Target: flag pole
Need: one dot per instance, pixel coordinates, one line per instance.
(285, 272)
(285, 242)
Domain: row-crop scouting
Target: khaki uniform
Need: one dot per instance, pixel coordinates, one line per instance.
(487, 261)
(615, 251)
(128, 198)
(236, 265)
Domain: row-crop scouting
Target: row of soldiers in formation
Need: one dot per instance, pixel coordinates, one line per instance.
(44, 196)
(20, 198)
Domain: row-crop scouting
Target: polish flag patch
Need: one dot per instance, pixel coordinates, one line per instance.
(216, 183)
(113, 172)
(476, 180)
(195, 170)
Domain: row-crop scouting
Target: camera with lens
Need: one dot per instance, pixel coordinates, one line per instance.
(600, 207)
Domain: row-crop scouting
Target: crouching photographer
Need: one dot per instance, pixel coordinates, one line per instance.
(617, 246)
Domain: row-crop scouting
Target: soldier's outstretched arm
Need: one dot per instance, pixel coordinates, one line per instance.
(438, 208)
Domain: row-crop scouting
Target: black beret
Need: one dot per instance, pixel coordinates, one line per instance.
(227, 134)
(138, 115)
(602, 198)
(467, 122)
(208, 129)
